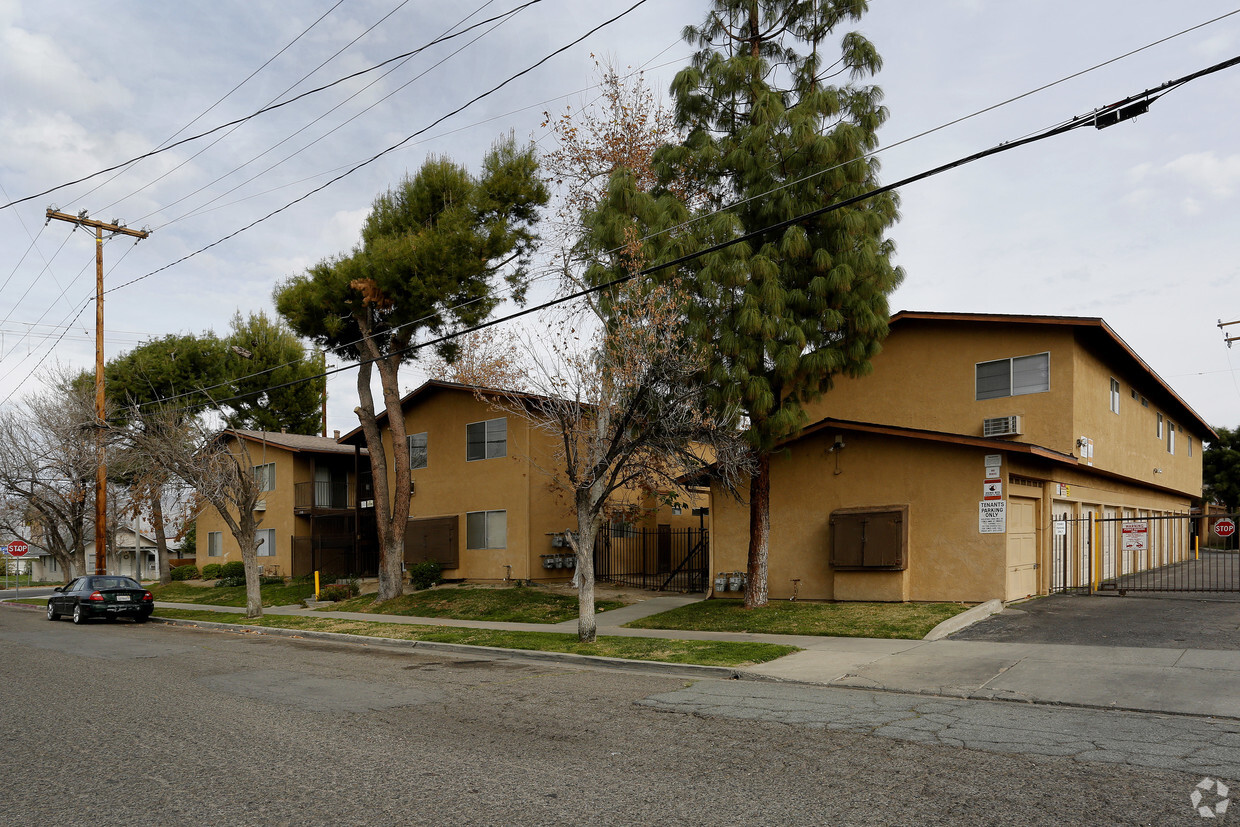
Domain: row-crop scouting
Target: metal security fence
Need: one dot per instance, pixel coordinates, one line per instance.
(1145, 553)
(666, 559)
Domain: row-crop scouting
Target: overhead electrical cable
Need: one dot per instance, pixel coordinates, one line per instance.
(201, 115)
(265, 110)
(1100, 118)
(331, 131)
(390, 149)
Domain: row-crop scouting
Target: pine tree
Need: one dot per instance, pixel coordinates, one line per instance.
(769, 137)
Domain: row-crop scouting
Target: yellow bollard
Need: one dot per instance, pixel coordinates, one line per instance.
(316, 585)
(1197, 547)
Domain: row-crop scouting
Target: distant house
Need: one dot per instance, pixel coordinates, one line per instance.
(123, 560)
(940, 475)
(310, 515)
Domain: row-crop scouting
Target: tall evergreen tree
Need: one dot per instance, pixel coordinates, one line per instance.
(769, 137)
(430, 258)
(276, 388)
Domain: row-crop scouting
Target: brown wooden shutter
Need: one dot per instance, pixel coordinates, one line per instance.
(433, 538)
(863, 538)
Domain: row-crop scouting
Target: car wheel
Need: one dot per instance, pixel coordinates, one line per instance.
(141, 618)
(79, 617)
(52, 614)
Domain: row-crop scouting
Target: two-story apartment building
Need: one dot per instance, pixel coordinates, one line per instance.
(939, 475)
(482, 502)
(309, 511)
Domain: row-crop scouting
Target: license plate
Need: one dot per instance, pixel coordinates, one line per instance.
(122, 598)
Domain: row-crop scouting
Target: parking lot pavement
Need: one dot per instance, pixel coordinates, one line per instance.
(1173, 621)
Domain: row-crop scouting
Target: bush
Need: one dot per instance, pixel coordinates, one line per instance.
(270, 580)
(233, 569)
(426, 574)
(184, 573)
(210, 571)
(228, 582)
(338, 591)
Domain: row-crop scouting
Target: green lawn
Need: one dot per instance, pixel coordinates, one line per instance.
(283, 595)
(882, 620)
(709, 653)
(509, 605)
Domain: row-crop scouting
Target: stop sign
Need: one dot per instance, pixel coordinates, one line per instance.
(18, 547)
(1224, 527)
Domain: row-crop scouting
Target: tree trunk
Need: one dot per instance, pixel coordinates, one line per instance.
(587, 626)
(759, 532)
(162, 570)
(249, 557)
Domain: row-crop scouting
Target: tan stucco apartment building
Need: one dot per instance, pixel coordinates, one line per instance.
(938, 476)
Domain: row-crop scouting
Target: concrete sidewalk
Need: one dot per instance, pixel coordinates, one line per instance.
(1182, 681)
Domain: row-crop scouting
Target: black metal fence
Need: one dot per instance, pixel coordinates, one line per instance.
(333, 556)
(666, 559)
(1145, 553)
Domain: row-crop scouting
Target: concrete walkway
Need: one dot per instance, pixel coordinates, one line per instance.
(1166, 680)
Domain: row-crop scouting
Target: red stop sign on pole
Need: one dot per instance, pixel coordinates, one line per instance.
(18, 547)
(1224, 527)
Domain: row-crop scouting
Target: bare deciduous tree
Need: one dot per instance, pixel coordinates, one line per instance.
(47, 471)
(218, 466)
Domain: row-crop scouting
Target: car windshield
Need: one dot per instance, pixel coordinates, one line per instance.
(114, 583)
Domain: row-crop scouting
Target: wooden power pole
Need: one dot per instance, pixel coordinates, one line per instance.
(101, 466)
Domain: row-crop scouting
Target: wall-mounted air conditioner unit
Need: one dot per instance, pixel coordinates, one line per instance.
(261, 505)
(1001, 426)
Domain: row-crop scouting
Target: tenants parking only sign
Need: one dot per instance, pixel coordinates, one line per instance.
(992, 516)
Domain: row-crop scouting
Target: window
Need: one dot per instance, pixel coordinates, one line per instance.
(1160, 426)
(1114, 396)
(486, 529)
(1170, 437)
(51, 564)
(266, 542)
(215, 544)
(486, 440)
(417, 450)
(1190, 445)
(265, 475)
(1013, 377)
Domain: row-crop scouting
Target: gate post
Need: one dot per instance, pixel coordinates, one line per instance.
(1095, 564)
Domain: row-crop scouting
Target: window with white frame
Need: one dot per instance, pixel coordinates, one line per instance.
(1190, 443)
(1160, 426)
(486, 529)
(266, 542)
(417, 450)
(215, 544)
(1170, 437)
(265, 476)
(486, 440)
(1013, 377)
(1114, 396)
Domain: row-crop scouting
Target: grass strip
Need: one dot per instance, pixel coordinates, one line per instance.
(287, 594)
(910, 621)
(507, 605)
(702, 652)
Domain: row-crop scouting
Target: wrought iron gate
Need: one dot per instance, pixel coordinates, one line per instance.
(669, 559)
(1145, 553)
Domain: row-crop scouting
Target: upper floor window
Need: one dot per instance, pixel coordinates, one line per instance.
(1114, 396)
(265, 476)
(1013, 377)
(486, 440)
(1190, 445)
(417, 450)
(1170, 437)
(1160, 426)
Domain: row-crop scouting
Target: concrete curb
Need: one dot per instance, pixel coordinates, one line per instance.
(685, 670)
(965, 619)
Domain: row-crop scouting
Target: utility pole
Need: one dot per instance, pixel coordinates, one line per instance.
(1228, 339)
(101, 466)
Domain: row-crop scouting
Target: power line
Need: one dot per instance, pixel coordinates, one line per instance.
(390, 149)
(265, 110)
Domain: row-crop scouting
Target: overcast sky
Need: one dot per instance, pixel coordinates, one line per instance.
(1135, 223)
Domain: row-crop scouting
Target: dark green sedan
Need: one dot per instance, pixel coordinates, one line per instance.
(101, 595)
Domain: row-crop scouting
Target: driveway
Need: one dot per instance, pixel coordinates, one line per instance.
(1172, 621)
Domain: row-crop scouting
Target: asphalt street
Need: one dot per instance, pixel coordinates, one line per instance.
(153, 724)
